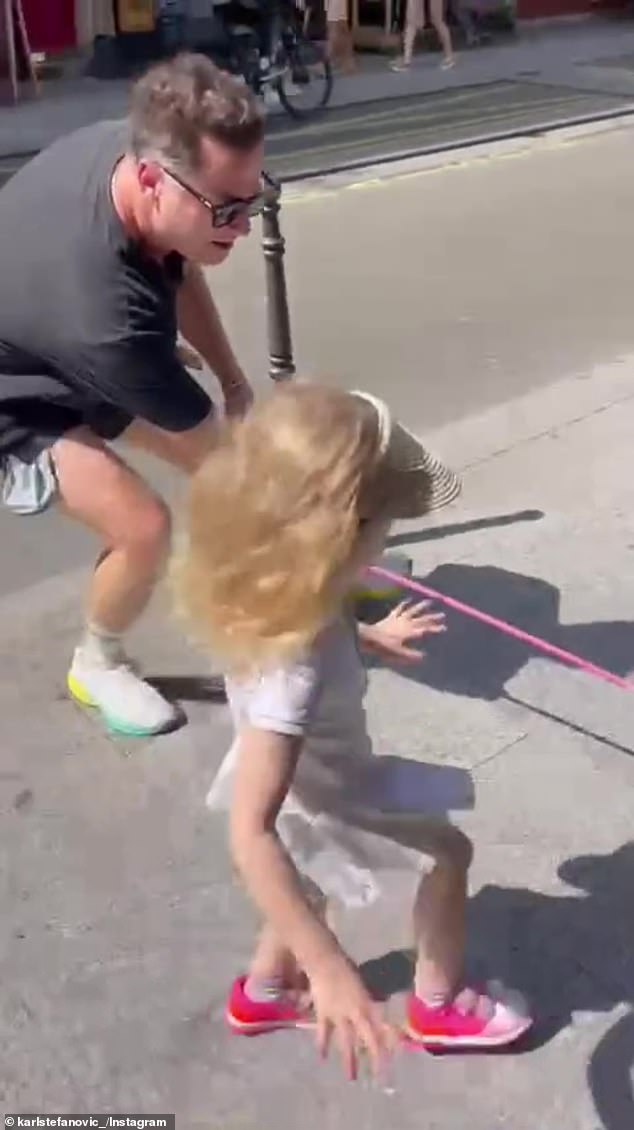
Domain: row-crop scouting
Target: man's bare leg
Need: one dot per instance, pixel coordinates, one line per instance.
(99, 490)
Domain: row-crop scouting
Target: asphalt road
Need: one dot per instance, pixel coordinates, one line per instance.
(362, 133)
(448, 291)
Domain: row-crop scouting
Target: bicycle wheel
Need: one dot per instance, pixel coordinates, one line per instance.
(305, 84)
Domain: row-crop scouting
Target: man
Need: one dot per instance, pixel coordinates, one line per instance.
(102, 238)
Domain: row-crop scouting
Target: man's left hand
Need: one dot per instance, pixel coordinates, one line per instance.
(238, 397)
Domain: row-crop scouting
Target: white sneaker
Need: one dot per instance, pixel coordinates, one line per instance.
(126, 702)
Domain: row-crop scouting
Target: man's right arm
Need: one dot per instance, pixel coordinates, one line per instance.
(171, 416)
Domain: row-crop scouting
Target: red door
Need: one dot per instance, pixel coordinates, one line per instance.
(50, 24)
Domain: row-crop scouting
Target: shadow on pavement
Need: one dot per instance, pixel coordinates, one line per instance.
(389, 974)
(474, 660)
(190, 688)
(567, 954)
(611, 1076)
(436, 533)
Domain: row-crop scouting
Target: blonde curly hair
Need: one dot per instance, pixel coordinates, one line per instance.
(273, 523)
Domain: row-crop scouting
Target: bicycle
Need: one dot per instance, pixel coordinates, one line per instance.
(299, 72)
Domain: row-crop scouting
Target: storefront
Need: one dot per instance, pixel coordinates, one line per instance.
(93, 18)
(377, 23)
(51, 25)
(55, 26)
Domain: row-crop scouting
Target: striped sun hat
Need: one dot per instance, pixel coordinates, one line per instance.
(409, 481)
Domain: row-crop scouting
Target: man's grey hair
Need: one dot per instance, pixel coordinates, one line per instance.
(179, 102)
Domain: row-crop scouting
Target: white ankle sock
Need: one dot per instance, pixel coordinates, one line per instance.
(262, 989)
(432, 1000)
(100, 646)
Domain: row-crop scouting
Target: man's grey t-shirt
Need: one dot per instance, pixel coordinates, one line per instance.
(87, 318)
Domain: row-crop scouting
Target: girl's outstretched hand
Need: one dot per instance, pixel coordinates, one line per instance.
(347, 1015)
(391, 638)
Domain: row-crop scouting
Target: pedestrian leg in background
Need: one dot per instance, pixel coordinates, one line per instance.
(439, 23)
(340, 42)
(415, 22)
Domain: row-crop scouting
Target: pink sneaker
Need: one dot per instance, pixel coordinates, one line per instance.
(252, 1018)
(470, 1020)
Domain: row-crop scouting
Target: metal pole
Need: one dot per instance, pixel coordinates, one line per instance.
(281, 364)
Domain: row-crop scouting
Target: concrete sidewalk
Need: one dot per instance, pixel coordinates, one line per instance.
(593, 55)
(123, 926)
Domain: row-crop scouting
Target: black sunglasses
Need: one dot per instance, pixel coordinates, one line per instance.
(230, 210)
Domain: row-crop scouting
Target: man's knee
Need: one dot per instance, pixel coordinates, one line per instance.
(149, 531)
(97, 488)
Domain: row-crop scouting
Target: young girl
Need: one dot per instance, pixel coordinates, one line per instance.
(295, 501)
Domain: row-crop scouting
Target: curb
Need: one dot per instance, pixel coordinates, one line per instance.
(623, 114)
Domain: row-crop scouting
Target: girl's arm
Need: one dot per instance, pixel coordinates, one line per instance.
(266, 765)
(343, 1007)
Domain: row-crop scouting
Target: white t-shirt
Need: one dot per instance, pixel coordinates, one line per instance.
(319, 698)
(348, 815)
